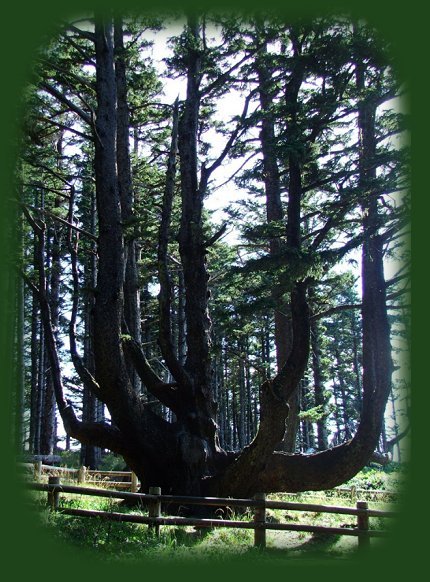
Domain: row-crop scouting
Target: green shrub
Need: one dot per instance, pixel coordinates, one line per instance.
(387, 478)
(71, 459)
(112, 462)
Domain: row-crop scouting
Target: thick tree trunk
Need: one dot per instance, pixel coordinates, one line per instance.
(275, 214)
(294, 161)
(355, 331)
(199, 443)
(377, 362)
(174, 456)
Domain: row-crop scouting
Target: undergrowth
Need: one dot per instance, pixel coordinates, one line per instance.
(111, 540)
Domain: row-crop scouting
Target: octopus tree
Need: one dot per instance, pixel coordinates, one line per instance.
(184, 456)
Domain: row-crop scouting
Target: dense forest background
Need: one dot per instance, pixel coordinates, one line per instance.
(246, 208)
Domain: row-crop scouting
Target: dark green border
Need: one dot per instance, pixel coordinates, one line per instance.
(26, 549)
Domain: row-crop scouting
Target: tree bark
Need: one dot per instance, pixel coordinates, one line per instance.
(294, 163)
(377, 362)
(275, 213)
(199, 420)
(130, 285)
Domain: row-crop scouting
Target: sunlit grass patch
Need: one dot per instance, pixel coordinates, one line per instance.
(114, 540)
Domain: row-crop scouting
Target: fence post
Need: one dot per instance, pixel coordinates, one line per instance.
(260, 520)
(363, 525)
(82, 474)
(353, 492)
(38, 470)
(134, 485)
(53, 496)
(154, 509)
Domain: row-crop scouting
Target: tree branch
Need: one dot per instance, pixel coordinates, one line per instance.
(63, 99)
(206, 172)
(59, 219)
(85, 136)
(227, 75)
(395, 440)
(240, 476)
(166, 288)
(98, 434)
(216, 236)
(336, 309)
(166, 393)
(81, 33)
(84, 374)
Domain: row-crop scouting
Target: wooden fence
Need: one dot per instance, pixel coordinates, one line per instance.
(354, 493)
(260, 524)
(84, 475)
(107, 478)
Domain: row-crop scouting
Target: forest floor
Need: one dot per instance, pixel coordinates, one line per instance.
(135, 542)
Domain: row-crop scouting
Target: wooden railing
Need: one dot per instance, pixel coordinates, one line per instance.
(107, 478)
(154, 500)
(84, 475)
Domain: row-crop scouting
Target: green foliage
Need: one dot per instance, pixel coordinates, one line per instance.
(389, 478)
(70, 459)
(112, 462)
(313, 414)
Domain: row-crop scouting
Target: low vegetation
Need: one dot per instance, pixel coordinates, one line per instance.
(110, 540)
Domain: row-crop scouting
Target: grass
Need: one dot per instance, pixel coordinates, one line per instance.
(134, 542)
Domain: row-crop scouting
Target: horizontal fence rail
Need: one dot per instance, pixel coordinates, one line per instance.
(84, 475)
(107, 478)
(354, 493)
(260, 504)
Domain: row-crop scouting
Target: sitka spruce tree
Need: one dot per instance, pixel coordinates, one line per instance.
(313, 146)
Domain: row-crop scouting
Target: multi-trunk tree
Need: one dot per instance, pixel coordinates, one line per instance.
(186, 413)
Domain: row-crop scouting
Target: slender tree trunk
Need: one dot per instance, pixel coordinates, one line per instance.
(377, 362)
(41, 379)
(242, 400)
(250, 411)
(306, 402)
(345, 405)
(337, 412)
(47, 445)
(92, 408)
(131, 285)
(228, 442)
(395, 426)
(318, 377)
(19, 367)
(34, 375)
